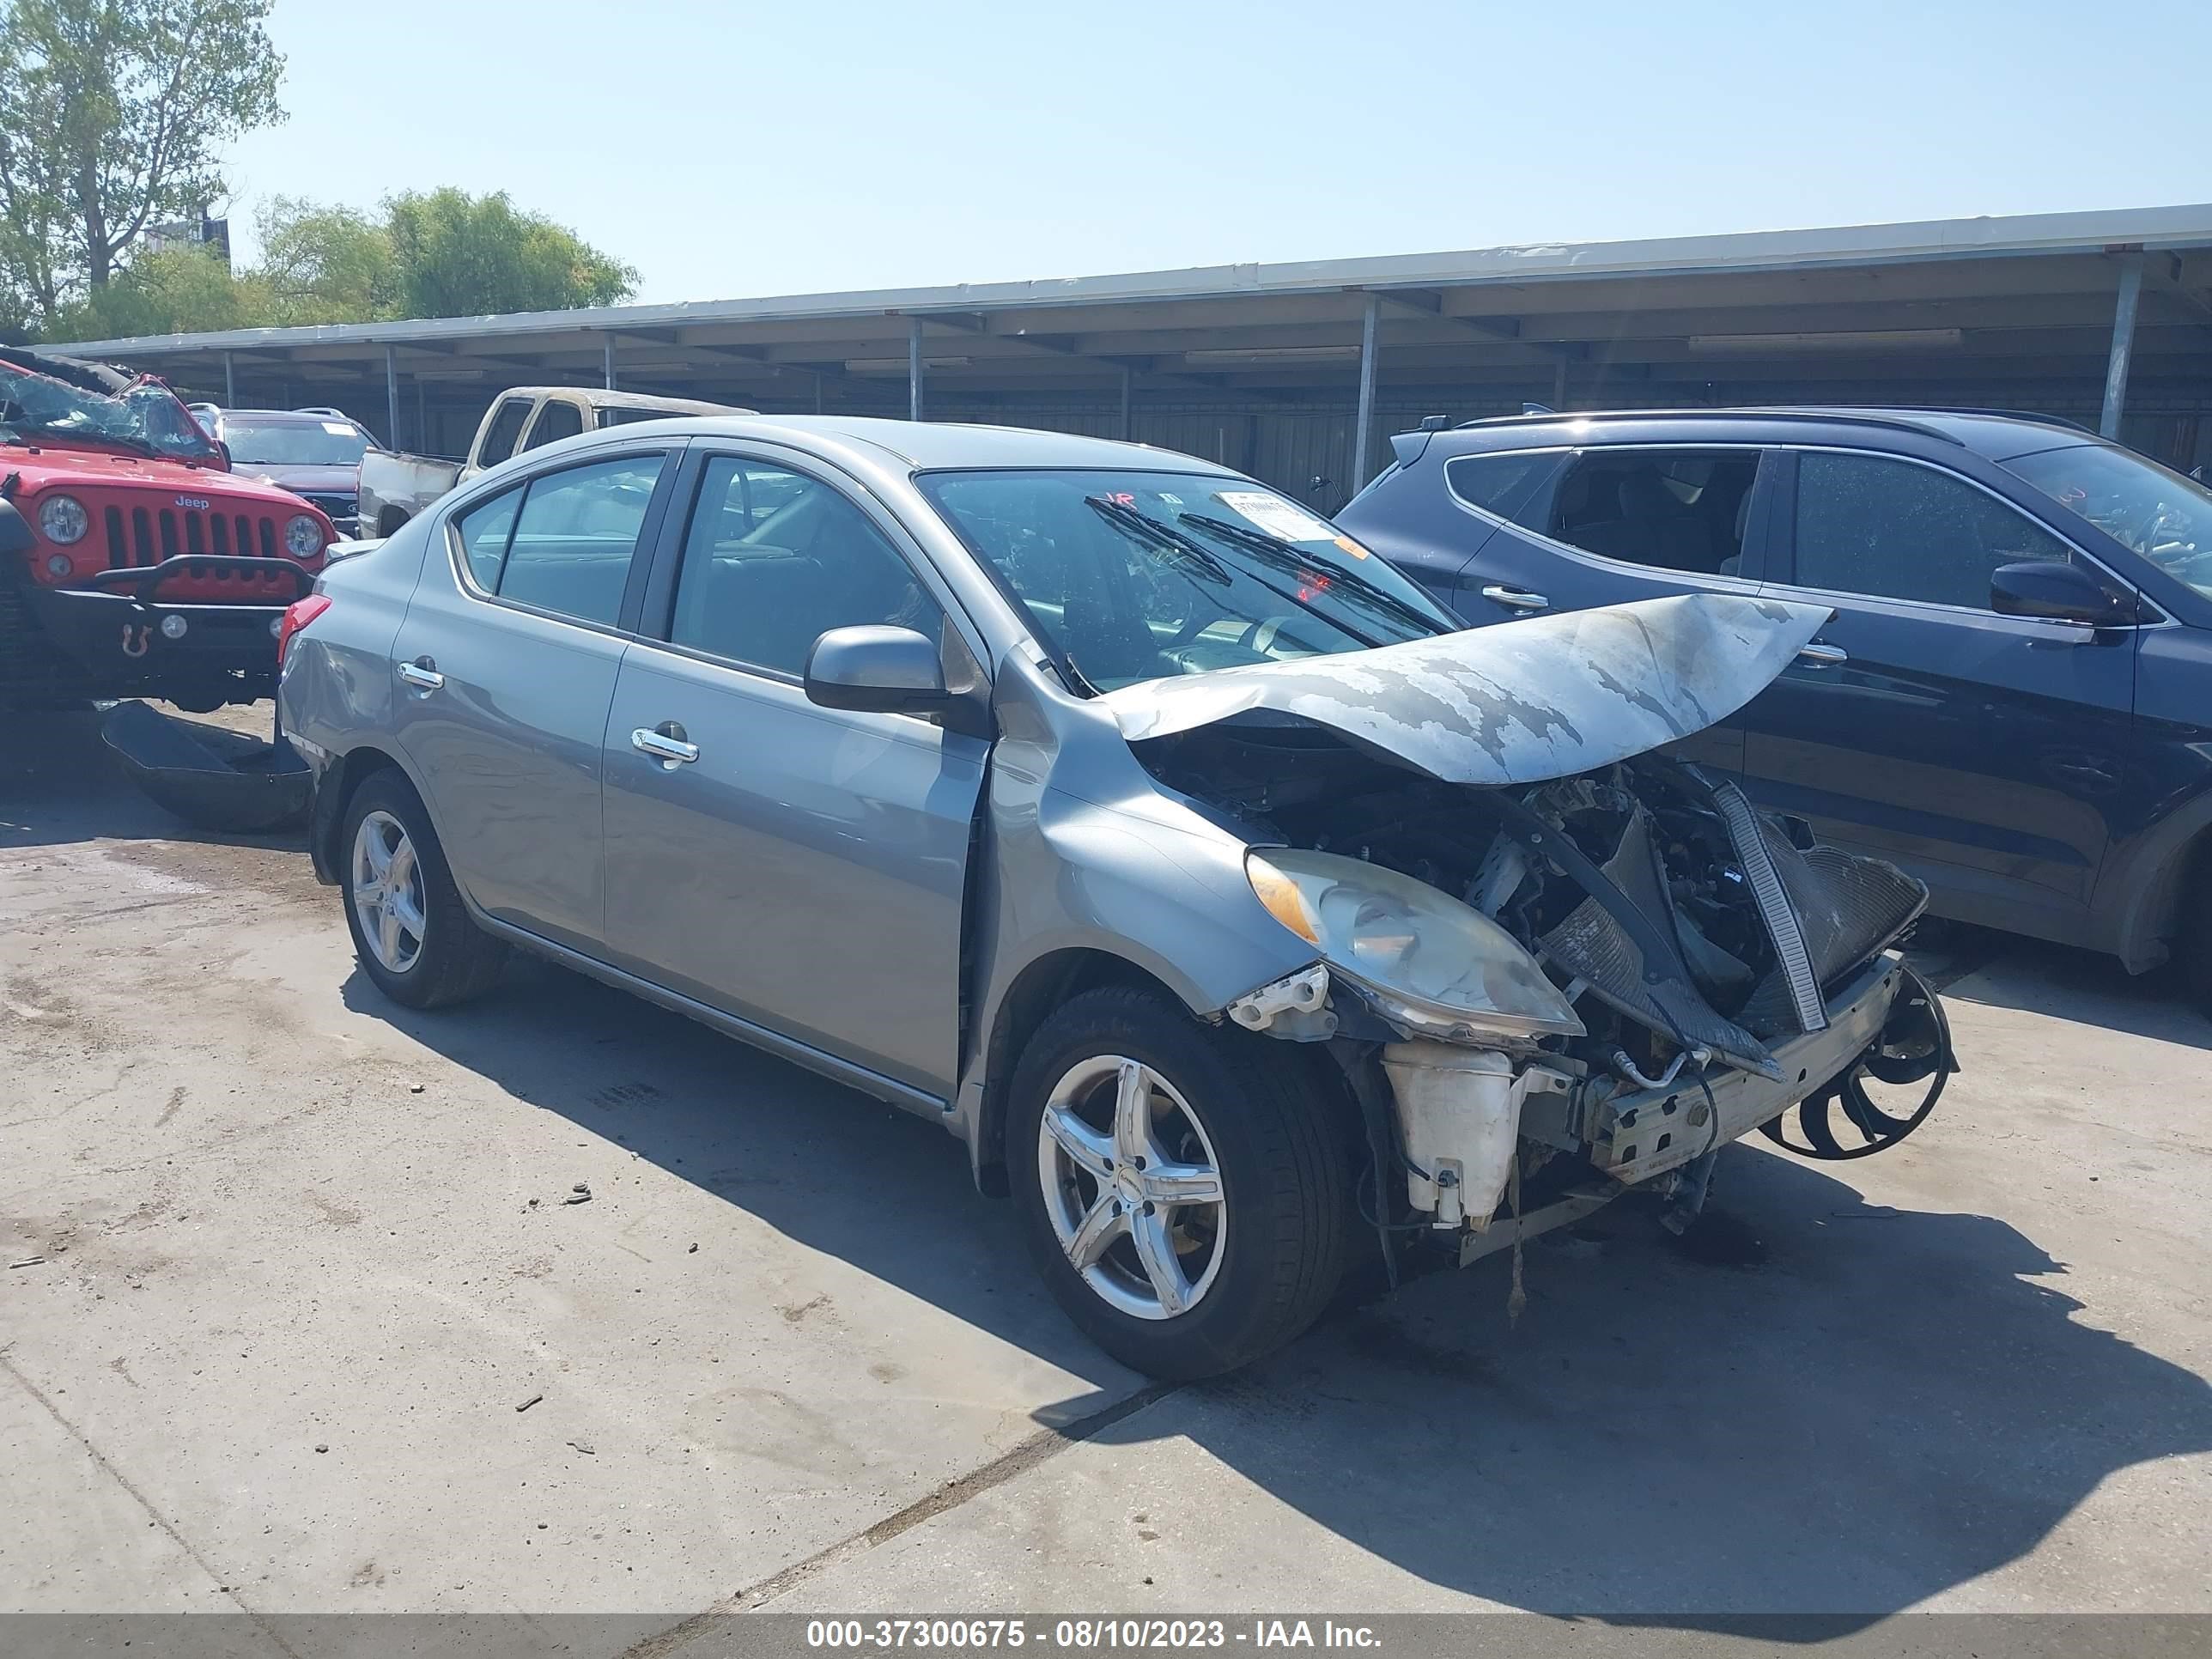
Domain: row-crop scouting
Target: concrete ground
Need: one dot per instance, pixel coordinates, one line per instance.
(298, 1316)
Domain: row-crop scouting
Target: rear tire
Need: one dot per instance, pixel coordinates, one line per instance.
(411, 931)
(1227, 1269)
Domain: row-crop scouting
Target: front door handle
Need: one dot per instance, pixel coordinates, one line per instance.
(1820, 655)
(666, 745)
(422, 674)
(1515, 598)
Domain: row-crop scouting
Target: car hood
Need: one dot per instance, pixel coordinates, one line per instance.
(1516, 702)
(303, 480)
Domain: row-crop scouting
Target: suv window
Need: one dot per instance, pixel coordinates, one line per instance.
(1899, 530)
(572, 543)
(557, 420)
(1500, 483)
(506, 427)
(1673, 509)
(775, 559)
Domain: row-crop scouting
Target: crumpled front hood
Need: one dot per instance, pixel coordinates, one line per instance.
(1516, 702)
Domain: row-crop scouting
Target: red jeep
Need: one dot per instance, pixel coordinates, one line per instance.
(132, 562)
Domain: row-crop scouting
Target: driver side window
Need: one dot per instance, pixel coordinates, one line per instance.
(774, 559)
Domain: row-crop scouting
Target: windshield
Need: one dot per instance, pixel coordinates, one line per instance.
(2160, 514)
(295, 443)
(144, 418)
(1130, 576)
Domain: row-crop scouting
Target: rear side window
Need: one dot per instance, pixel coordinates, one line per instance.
(556, 420)
(506, 427)
(1672, 509)
(570, 546)
(1897, 530)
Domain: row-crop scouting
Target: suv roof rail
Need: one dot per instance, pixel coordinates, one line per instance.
(322, 409)
(1893, 420)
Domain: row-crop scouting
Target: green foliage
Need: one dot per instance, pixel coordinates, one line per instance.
(177, 291)
(324, 265)
(111, 113)
(463, 256)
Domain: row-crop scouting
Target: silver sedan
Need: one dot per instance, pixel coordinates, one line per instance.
(1238, 909)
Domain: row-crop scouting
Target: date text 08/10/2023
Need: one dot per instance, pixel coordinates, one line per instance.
(1082, 1635)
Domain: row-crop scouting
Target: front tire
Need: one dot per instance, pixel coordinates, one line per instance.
(413, 935)
(1184, 1189)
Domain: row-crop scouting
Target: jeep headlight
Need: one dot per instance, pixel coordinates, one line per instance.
(1441, 965)
(303, 536)
(63, 519)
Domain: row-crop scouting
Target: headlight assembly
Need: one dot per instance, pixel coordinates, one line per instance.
(303, 537)
(1444, 965)
(63, 519)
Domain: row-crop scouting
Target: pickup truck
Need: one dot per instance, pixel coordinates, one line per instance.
(395, 486)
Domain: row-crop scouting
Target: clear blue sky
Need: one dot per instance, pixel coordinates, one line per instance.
(731, 150)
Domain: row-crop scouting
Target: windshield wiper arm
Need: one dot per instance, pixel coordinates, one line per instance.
(1160, 536)
(1283, 552)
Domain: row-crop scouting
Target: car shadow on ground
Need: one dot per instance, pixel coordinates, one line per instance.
(1891, 1404)
(2037, 977)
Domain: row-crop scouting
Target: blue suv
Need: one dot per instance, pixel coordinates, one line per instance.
(2013, 698)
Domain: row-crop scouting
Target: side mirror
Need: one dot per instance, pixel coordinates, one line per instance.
(877, 670)
(2056, 591)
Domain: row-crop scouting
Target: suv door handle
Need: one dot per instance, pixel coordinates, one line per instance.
(1515, 598)
(422, 674)
(1820, 655)
(663, 745)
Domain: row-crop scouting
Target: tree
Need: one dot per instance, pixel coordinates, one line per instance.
(464, 256)
(171, 290)
(111, 114)
(325, 264)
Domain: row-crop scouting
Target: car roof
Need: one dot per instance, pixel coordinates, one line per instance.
(929, 445)
(1995, 434)
(283, 416)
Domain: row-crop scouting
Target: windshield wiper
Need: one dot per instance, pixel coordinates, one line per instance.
(1289, 553)
(1153, 530)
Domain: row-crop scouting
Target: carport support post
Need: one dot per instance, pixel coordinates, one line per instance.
(1368, 323)
(391, 396)
(2124, 341)
(609, 343)
(913, 368)
(229, 381)
(1128, 382)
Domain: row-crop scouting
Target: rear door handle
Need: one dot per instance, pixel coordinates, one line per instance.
(1515, 598)
(670, 751)
(1820, 655)
(422, 674)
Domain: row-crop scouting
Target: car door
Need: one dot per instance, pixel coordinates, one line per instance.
(1979, 752)
(558, 418)
(799, 868)
(507, 660)
(1610, 525)
(500, 434)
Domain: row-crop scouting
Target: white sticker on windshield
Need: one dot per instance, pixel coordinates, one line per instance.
(1282, 519)
(338, 429)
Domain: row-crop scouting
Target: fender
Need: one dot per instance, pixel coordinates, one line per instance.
(2139, 889)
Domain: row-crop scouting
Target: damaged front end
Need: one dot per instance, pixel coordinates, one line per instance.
(1549, 983)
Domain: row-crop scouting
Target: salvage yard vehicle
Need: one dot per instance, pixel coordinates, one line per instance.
(313, 452)
(1212, 883)
(395, 486)
(133, 563)
(2013, 700)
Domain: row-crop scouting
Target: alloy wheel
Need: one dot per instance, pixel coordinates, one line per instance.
(387, 892)
(1132, 1186)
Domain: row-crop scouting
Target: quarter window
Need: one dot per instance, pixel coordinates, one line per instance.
(484, 530)
(1896, 530)
(506, 427)
(775, 559)
(570, 549)
(1673, 509)
(1500, 483)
